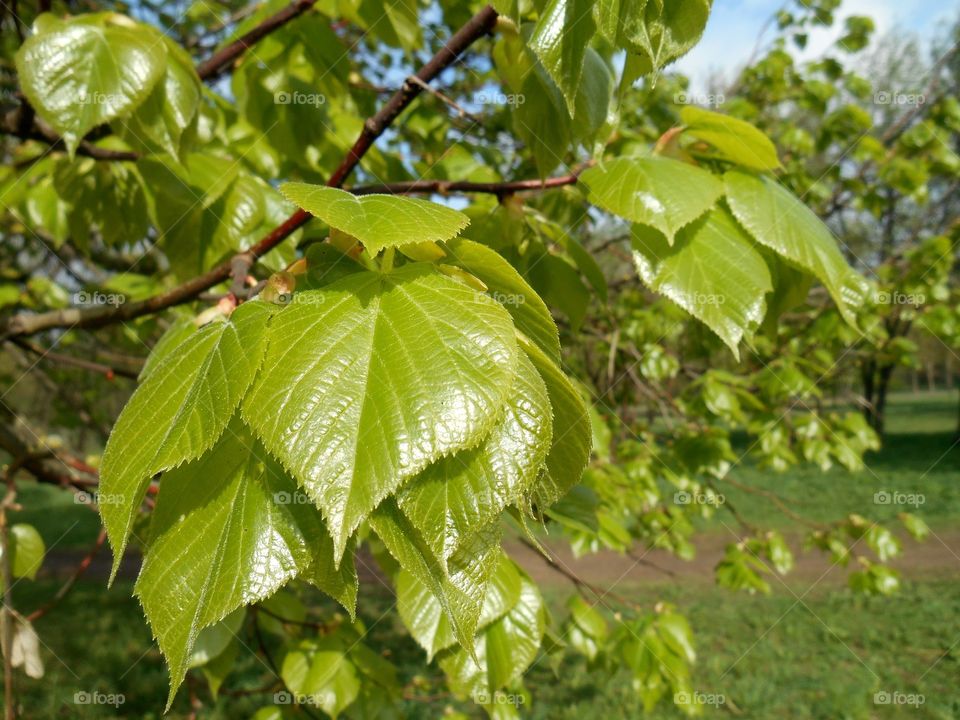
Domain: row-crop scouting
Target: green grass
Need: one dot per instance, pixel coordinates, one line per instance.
(774, 657)
(823, 656)
(920, 456)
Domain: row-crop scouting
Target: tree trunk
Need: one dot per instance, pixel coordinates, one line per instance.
(867, 376)
(880, 405)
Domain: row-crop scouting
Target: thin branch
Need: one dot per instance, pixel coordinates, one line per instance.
(72, 580)
(461, 111)
(108, 371)
(216, 64)
(446, 187)
(600, 593)
(479, 25)
(776, 500)
(22, 123)
(20, 325)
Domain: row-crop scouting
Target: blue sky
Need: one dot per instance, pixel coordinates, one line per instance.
(735, 24)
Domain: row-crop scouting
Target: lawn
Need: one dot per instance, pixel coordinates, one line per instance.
(808, 651)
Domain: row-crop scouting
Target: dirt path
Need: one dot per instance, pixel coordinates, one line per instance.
(938, 556)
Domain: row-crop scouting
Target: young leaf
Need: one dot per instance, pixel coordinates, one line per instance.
(460, 494)
(178, 413)
(170, 109)
(508, 287)
(27, 550)
(502, 651)
(341, 583)
(572, 436)
(373, 378)
(734, 140)
(775, 217)
(713, 272)
(459, 588)
(321, 671)
(426, 620)
(88, 70)
(665, 194)
(226, 532)
(560, 40)
(378, 221)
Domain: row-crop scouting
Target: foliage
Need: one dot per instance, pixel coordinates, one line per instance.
(404, 377)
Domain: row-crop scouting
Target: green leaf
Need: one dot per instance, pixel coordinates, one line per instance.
(661, 30)
(560, 40)
(776, 218)
(221, 537)
(559, 283)
(27, 550)
(171, 339)
(733, 139)
(214, 639)
(178, 413)
(373, 378)
(713, 272)
(88, 70)
(459, 588)
(665, 194)
(340, 583)
(320, 672)
(502, 651)
(587, 617)
(460, 494)
(541, 120)
(572, 436)
(426, 620)
(170, 110)
(593, 98)
(378, 221)
(508, 287)
(217, 669)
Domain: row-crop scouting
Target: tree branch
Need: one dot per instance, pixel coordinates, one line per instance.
(20, 325)
(444, 187)
(216, 64)
(21, 122)
(43, 353)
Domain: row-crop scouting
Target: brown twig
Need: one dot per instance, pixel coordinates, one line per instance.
(216, 64)
(445, 187)
(108, 371)
(22, 324)
(13, 123)
(67, 586)
(600, 593)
